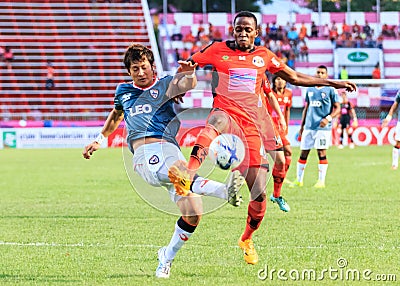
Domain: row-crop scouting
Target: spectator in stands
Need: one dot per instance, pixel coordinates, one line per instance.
(367, 29)
(303, 31)
(273, 32)
(343, 73)
(303, 50)
(200, 30)
(293, 36)
(1, 53)
(286, 48)
(185, 55)
(280, 34)
(189, 38)
(356, 29)
(8, 57)
(314, 30)
(176, 33)
(376, 73)
(50, 76)
(346, 29)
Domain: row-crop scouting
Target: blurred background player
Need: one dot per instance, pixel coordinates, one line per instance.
(146, 104)
(321, 106)
(347, 113)
(386, 121)
(239, 68)
(280, 169)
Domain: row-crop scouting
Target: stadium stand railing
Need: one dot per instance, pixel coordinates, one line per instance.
(84, 42)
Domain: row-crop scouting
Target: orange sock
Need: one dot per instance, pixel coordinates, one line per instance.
(278, 173)
(255, 214)
(200, 148)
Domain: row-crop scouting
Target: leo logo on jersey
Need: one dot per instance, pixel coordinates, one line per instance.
(139, 109)
(315, 103)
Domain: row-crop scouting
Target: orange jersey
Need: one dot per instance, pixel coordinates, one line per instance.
(238, 83)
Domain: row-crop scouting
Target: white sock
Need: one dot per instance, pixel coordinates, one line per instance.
(178, 239)
(206, 187)
(395, 157)
(322, 169)
(300, 171)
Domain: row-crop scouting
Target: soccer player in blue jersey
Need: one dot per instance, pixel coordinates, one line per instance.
(146, 105)
(321, 106)
(386, 121)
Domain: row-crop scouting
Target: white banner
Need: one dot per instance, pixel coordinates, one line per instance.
(57, 137)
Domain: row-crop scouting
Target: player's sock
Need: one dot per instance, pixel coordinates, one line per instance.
(183, 231)
(395, 156)
(206, 187)
(278, 173)
(301, 165)
(288, 161)
(200, 148)
(255, 214)
(322, 169)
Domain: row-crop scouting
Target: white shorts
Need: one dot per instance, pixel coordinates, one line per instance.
(317, 139)
(152, 161)
(397, 134)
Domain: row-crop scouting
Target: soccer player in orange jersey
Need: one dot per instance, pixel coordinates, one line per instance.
(279, 101)
(239, 68)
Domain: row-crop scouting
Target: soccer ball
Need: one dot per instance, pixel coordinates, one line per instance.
(226, 151)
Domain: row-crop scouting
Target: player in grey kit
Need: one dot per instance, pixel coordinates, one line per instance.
(322, 105)
(146, 104)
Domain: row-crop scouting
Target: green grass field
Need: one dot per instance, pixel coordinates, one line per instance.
(68, 221)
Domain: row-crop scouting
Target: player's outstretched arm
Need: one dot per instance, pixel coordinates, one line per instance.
(184, 80)
(393, 108)
(113, 120)
(300, 79)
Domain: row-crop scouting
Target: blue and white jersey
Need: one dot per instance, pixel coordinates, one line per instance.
(397, 99)
(320, 102)
(148, 112)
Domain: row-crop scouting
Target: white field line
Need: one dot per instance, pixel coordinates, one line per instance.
(82, 244)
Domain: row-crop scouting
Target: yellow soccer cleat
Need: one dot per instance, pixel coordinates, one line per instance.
(295, 184)
(319, 184)
(250, 254)
(180, 178)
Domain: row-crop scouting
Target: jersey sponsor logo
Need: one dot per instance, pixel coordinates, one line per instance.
(315, 103)
(242, 80)
(183, 236)
(242, 58)
(275, 62)
(154, 160)
(126, 97)
(139, 109)
(258, 61)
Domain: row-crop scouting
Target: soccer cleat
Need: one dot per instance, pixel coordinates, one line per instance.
(296, 184)
(164, 267)
(351, 145)
(320, 184)
(180, 178)
(283, 205)
(340, 146)
(233, 186)
(250, 254)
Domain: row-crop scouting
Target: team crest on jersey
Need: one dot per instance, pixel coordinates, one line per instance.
(258, 61)
(154, 93)
(225, 58)
(323, 95)
(154, 160)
